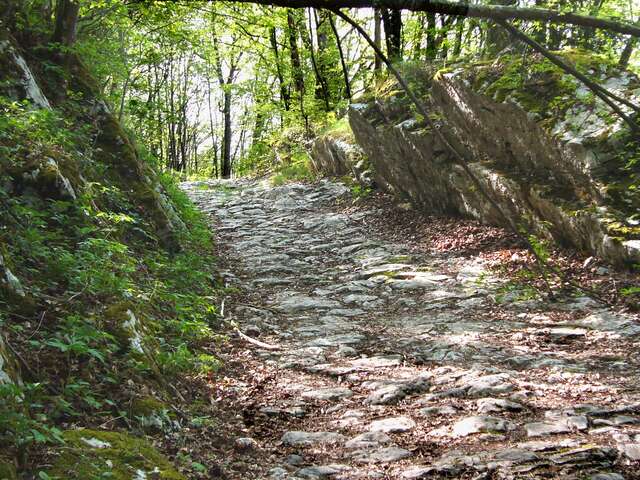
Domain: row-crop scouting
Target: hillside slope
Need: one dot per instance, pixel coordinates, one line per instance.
(107, 290)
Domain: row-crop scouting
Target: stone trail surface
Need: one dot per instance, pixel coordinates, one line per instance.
(395, 365)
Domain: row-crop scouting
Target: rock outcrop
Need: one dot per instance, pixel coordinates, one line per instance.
(550, 155)
(337, 157)
(54, 174)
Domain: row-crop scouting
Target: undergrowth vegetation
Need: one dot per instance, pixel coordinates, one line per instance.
(104, 315)
(284, 158)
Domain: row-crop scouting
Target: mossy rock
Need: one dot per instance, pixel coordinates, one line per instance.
(7, 470)
(144, 407)
(92, 454)
(151, 414)
(115, 318)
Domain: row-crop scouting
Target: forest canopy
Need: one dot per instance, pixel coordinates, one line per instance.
(206, 85)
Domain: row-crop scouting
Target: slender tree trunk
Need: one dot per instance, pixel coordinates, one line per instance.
(345, 70)
(377, 38)
(443, 36)
(419, 35)
(284, 93)
(432, 47)
(627, 51)
(296, 64)
(212, 131)
(226, 144)
(322, 88)
(457, 47)
(392, 22)
(66, 26)
(294, 53)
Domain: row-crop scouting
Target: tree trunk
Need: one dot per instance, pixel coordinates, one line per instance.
(377, 35)
(66, 22)
(457, 47)
(296, 64)
(226, 140)
(322, 87)
(294, 52)
(392, 22)
(626, 53)
(284, 92)
(343, 62)
(432, 47)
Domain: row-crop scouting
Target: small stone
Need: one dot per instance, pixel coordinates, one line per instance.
(328, 394)
(296, 438)
(415, 473)
(541, 446)
(320, 472)
(447, 410)
(381, 361)
(480, 424)
(346, 351)
(631, 451)
(515, 455)
(566, 334)
(606, 476)
(252, 331)
(393, 393)
(392, 425)
(368, 440)
(561, 425)
(491, 405)
(488, 385)
(301, 303)
(383, 455)
(277, 473)
(295, 460)
(244, 444)
(359, 298)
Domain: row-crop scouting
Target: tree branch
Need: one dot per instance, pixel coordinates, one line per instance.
(490, 12)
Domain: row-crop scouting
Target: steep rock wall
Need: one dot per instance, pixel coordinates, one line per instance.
(549, 166)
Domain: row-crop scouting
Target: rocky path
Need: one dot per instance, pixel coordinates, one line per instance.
(389, 365)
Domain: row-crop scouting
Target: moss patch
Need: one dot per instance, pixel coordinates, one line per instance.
(91, 454)
(7, 470)
(144, 407)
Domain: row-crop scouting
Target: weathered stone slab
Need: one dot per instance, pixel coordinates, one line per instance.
(298, 438)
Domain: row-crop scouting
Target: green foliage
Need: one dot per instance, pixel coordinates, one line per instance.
(81, 339)
(630, 291)
(540, 247)
(535, 83)
(358, 191)
(297, 171)
(23, 418)
(77, 259)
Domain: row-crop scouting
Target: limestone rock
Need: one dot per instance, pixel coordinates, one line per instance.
(368, 440)
(560, 425)
(327, 394)
(480, 424)
(392, 425)
(299, 438)
(394, 392)
(382, 455)
(491, 405)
